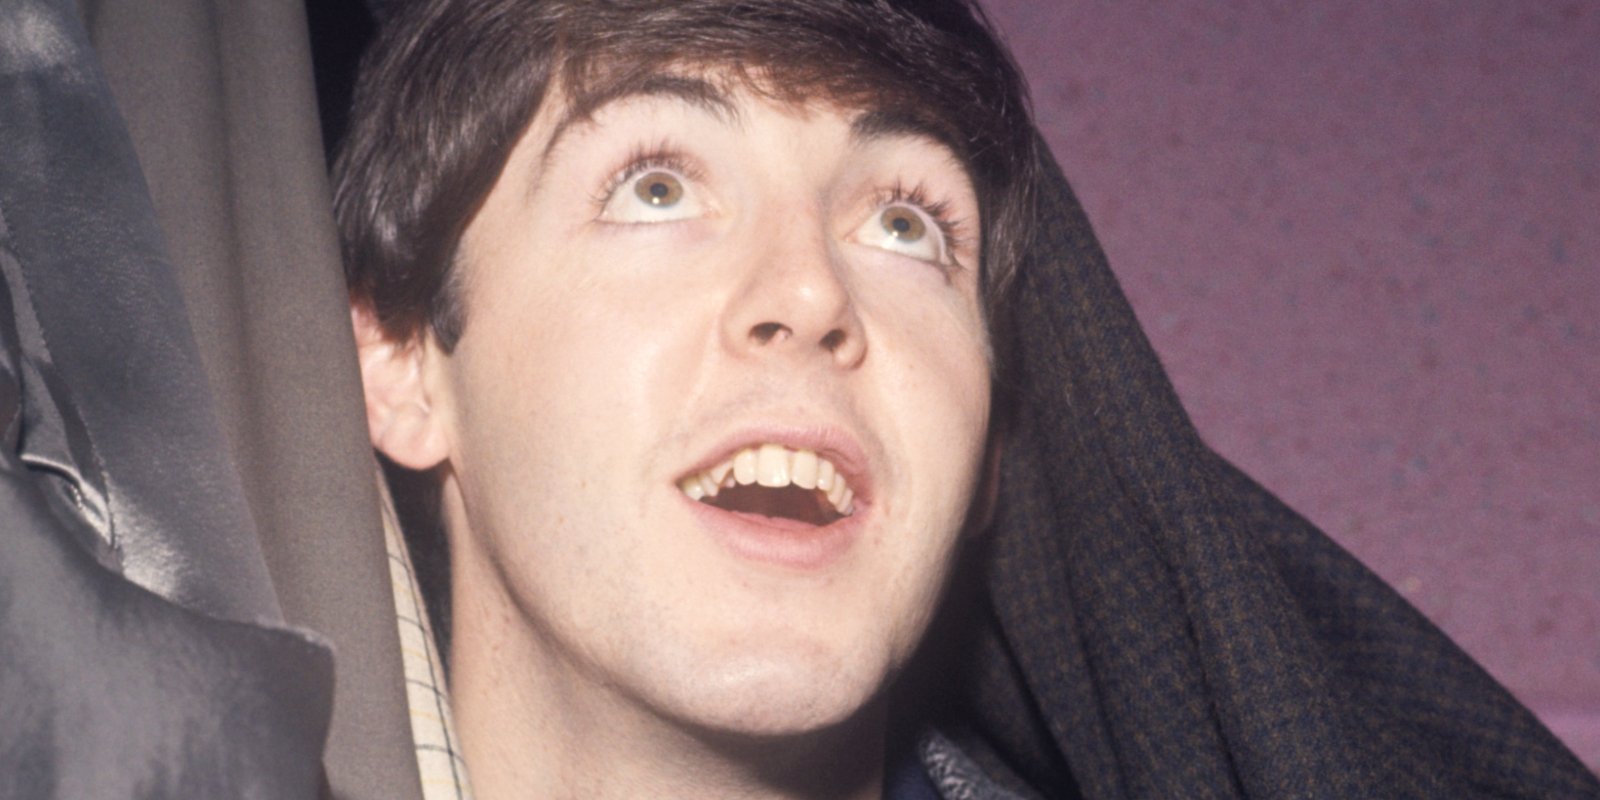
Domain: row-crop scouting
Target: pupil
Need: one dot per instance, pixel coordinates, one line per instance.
(901, 225)
(658, 189)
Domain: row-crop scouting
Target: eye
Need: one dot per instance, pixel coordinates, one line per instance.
(659, 189)
(903, 224)
(645, 195)
(905, 229)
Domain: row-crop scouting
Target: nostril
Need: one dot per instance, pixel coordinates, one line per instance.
(767, 331)
(833, 340)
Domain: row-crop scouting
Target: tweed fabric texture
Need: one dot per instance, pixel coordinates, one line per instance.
(1152, 623)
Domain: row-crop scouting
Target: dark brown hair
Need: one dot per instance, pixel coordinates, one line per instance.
(450, 86)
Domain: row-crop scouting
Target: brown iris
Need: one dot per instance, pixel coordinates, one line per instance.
(659, 189)
(903, 224)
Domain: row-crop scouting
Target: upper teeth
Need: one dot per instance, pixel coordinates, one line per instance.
(774, 466)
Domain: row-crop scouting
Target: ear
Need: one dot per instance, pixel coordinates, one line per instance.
(401, 415)
(987, 497)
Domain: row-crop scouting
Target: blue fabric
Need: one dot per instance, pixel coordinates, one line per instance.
(908, 780)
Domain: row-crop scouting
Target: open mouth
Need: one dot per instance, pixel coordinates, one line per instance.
(774, 481)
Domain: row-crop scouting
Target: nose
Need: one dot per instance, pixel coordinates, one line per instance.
(793, 300)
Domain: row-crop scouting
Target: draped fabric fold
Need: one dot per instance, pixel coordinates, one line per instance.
(91, 269)
(142, 649)
(1173, 628)
(221, 107)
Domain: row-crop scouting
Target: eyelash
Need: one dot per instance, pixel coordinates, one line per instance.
(665, 157)
(643, 159)
(937, 210)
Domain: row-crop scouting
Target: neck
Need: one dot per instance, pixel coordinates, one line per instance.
(532, 724)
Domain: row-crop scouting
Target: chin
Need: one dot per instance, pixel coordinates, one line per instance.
(774, 695)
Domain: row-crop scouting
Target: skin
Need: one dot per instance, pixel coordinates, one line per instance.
(607, 642)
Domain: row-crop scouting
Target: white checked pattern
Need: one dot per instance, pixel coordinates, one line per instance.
(444, 774)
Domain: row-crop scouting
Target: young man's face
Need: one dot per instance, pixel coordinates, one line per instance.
(694, 287)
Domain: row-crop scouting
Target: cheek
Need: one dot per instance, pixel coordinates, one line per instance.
(589, 327)
(935, 347)
(937, 398)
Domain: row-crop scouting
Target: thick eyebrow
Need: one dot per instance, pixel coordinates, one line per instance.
(697, 92)
(884, 124)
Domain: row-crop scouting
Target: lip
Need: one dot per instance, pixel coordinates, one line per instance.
(781, 542)
(784, 542)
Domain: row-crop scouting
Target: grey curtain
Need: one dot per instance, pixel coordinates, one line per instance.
(179, 374)
(219, 102)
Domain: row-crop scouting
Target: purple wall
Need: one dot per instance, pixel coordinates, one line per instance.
(1365, 239)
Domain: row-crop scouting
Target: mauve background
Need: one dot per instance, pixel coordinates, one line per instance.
(1365, 240)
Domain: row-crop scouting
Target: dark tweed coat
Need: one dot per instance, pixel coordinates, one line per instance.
(1151, 623)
